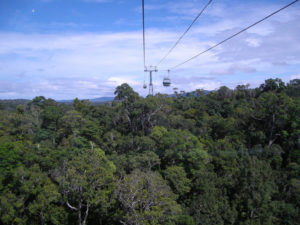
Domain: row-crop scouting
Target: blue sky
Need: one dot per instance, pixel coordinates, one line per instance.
(64, 49)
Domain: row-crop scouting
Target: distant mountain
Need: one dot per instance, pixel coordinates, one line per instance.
(94, 100)
(64, 101)
(102, 99)
(11, 104)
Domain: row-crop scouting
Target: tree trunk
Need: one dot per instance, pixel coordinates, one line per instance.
(79, 213)
(86, 214)
(42, 217)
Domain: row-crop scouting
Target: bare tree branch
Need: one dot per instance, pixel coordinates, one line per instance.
(72, 207)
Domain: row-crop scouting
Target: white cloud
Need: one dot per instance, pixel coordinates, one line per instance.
(253, 42)
(295, 77)
(123, 79)
(90, 65)
(233, 69)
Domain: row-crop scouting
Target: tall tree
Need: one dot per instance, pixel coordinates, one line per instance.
(147, 199)
(85, 182)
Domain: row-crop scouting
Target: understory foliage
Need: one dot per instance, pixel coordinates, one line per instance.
(222, 157)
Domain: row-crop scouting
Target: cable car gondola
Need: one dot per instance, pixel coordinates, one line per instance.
(167, 80)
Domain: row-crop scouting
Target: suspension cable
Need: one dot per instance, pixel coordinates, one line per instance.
(144, 40)
(185, 32)
(236, 34)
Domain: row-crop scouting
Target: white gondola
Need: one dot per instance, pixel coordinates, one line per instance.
(167, 80)
(144, 86)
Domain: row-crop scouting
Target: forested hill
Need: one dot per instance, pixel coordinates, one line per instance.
(226, 157)
(13, 103)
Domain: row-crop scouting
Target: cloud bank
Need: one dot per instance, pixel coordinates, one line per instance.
(88, 65)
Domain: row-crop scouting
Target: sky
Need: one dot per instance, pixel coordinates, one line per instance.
(63, 49)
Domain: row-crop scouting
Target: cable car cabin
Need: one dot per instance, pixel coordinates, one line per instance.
(167, 82)
(144, 86)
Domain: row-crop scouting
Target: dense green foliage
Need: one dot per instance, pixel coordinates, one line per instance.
(226, 157)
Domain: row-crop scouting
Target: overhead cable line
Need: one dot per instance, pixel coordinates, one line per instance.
(149, 69)
(187, 30)
(236, 34)
(144, 40)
